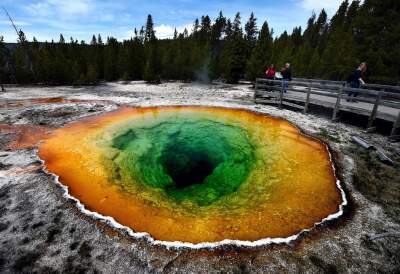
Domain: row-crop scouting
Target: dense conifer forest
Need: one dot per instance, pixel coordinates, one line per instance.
(221, 49)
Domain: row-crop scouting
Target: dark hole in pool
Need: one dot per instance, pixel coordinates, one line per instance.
(186, 166)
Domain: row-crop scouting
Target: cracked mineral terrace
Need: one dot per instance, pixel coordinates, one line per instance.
(42, 232)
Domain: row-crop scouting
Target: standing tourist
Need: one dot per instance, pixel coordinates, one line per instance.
(270, 73)
(355, 80)
(286, 76)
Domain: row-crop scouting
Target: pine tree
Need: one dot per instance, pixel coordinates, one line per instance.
(150, 73)
(141, 34)
(283, 49)
(337, 60)
(124, 58)
(297, 38)
(137, 62)
(91, 75)
(99, 40)
(314, 67)
(261, 55)
(22, 73)
(205, 30)
(169, 62)
(234, 53)
(228, 28)
(125, 77)
(111, 59)
(75, 73)
(196, 28)
(185, 33)
(81, 81)
(351, 14)
(251, 32)
(215, 67)
(22, 60)
(94, 41)
(62, 40)
(21, 37)
(218, 28)
(152, 70)
(149, 34)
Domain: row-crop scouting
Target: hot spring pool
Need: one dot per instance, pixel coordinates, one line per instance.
(196, 174)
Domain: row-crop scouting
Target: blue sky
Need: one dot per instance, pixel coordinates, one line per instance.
(46, 19)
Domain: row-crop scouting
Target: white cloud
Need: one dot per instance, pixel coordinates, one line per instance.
(329, 5)
(72, 6)
(164, 31)
(63, 9)
(167, 31)
(9, 35)
(17, 23)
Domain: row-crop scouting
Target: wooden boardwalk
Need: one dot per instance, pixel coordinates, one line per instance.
(373, 101)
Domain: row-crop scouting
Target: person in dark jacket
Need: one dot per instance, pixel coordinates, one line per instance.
(356, 80)
(286, 76)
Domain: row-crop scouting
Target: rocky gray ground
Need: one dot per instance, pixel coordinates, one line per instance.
(42, 232)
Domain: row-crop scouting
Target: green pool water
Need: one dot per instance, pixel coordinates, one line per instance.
(198, 160)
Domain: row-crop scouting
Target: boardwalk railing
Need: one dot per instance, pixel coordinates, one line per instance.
(320, 81)
(387, 88)
(374, 102)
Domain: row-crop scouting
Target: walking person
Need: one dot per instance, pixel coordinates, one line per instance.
(286, 76)
(355, 80)
(270, 74)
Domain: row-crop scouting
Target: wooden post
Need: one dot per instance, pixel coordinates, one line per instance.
(337, 105)
(255, 89)
(372, 118)
(307, 98)
(281, 95)
(396, 125)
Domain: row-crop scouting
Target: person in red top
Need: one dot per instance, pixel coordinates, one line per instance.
(270, 73)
